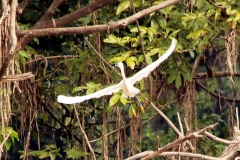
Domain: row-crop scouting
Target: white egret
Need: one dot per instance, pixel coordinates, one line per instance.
(128, 90)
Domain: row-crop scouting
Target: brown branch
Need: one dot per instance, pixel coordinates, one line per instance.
(182, 154)
(216, 74)
(83, 12)
(13, 38)
(216, 5)
(216, 95)
(15, 47)
(220, 139)
(196, 64)
(179, 141)
(18, 77)
(97, 28)
(22, 6)
(48, 15)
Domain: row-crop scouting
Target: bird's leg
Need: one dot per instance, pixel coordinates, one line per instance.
(140, 104)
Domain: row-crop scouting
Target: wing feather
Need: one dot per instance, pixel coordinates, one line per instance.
(100, 93)
(146, 71)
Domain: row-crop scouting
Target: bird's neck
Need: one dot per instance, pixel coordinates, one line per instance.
(123, 74)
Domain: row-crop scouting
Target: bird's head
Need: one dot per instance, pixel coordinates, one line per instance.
(119, 65)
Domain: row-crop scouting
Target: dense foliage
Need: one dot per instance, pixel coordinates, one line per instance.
(198, 82)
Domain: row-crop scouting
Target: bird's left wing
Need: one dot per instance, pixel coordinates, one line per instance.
(100, 93)
(146, 71)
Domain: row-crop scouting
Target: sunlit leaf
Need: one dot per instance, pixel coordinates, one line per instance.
(114, 99)
(210, 12)
(23, 53)
(132, 111)
(116, 40)
(22, 59)
(237, 16)
(123, 6)
(148, 59)
(130, 63)
(76, 89)
(123, 100)
(217, 14)
(234, 23)
(117, 59)
(196, 34)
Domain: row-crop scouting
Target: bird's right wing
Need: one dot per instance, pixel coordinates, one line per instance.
(146, 71)
(78, 99)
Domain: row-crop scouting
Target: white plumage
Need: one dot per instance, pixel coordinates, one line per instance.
(128, 90)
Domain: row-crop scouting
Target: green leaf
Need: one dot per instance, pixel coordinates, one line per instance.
(114, 99)
(210, 12)
(234, 23)
(237, 17)
(148, 59)
(123, 100)
(74, 153)
(163, 23)
(116, 40)
(169, 70)
(187, 76)
(22, 59)
(153, 52)
(132, 111)
(130, 63)
(67, 120)
(217, 14)
(117, 59)
(230, 19)
(76, 89)
(196, 34)
(30, 50)
(44, 154)
(8, 144)
(142, 84)
(178, 80)
(123, 6)
(23, 53)
(191, 54)
(172, 76)
(184, 68)
(137, 3)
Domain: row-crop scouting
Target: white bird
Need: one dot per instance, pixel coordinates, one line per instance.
(128, 90)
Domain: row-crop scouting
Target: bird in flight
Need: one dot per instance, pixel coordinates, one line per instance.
(126, 84)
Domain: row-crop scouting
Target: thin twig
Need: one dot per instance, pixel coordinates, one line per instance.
(84, 134)
(100, 56)
(180, 123)
(220, 139)
(217, 96)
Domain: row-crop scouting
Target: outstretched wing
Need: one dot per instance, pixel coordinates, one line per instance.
(100, 93)
(146, 71)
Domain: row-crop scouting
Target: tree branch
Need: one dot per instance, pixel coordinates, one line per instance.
(215, 74)
(179, 141)
(97, 28)
(13, 39)
(216, 95)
